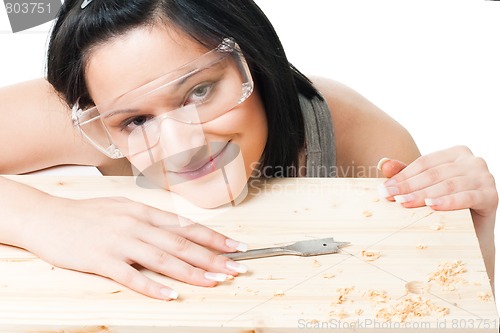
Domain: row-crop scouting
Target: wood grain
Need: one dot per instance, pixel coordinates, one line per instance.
(279, 294)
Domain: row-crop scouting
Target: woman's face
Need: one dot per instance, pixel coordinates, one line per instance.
(207, 163)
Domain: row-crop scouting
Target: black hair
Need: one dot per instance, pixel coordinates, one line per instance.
(77, 31)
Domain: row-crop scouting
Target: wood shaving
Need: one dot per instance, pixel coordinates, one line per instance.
(484, 296)
(411, 306)
(375, 199)
(367, 213)
(370, 255)
(449, 274)
(421, 246)
(436, 226)
(377, 296)
(255, 292)
(279, 293)
(339, 313)
(328, 276)
(316, 263)
(343, 292)
(358, 312)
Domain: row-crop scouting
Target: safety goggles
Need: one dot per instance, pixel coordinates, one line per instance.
(197, 92)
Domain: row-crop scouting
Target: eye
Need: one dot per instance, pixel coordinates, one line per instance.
(133, 123)
(199, 94)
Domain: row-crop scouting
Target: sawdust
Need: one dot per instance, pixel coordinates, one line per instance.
(436, 226)
(370, 255)
(343, 292)
(279, 293)
(412, 306)
(449, 274)
(483, 296)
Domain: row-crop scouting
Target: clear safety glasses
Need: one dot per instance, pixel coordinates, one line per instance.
(195, 93)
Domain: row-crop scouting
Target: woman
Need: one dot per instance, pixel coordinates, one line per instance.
(112, 63)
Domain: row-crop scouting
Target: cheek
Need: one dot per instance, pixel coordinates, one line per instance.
(246, 125)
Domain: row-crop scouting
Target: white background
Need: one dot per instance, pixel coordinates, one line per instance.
(433, 65)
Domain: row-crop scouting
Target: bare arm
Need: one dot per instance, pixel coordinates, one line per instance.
(446, 180)
(363, 133)
(37, 132)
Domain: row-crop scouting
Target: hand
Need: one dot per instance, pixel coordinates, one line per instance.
(448, 180)
(445, 180)
(106, 236)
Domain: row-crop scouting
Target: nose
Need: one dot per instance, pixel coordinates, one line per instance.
(182, 145)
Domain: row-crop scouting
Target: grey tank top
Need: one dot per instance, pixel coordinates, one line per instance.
(320, 140)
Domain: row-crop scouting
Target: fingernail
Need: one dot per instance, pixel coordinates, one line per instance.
(381, 162)
(242, 247)
(236, 267)
(169, 293)
(387, 191)
(404, 198)
(219, 277)
(432, 202)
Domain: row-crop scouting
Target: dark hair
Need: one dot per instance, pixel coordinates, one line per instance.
(77, 31)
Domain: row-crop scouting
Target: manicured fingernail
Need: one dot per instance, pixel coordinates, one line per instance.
(432, 202)
(236, 267)
(231, 243)
(169, 293)
(381, 162)
(219, 277)
(387, 191)
(404, 198)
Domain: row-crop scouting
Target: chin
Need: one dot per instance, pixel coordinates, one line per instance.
(227, 185)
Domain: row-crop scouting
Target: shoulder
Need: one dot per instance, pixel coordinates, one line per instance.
(363, 133)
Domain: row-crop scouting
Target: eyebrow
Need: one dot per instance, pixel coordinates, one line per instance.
(123, 111)
(178, 83)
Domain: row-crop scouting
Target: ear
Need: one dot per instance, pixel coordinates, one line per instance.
(390, 167)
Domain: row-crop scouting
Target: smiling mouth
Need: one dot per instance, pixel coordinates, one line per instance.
(215, 162)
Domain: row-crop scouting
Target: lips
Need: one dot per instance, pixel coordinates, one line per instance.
(203, 163)
(194, 170)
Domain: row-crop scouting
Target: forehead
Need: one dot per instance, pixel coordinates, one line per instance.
(136, 58)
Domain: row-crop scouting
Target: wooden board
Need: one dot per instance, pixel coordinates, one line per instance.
(279, 294)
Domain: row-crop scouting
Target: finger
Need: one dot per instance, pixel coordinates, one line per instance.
(190, 252)
(390, 167)
(164, 263)
(446, 187)
(455, 201)
(194, 231)
(135, 280)
(442, 175)
(431, 160)
(200, 234)
(205, 236)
